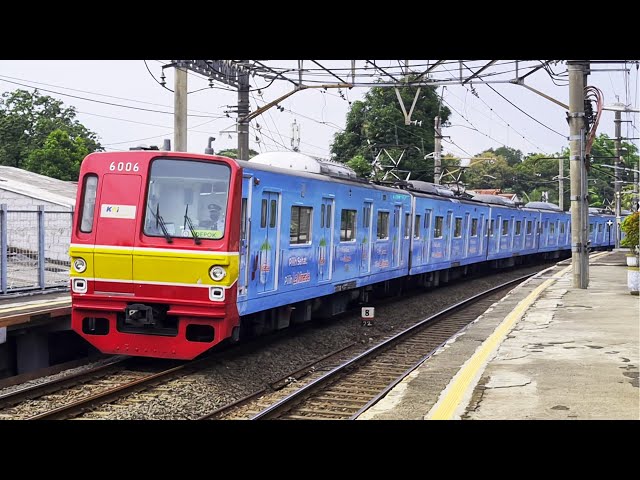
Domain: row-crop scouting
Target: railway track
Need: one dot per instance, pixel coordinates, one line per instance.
(122, 385)
(347, 390)
(71, 395)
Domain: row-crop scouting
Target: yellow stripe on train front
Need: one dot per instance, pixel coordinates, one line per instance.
(155, 265)
(152, 268)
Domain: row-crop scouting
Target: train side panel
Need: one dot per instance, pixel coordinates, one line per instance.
(309, 237)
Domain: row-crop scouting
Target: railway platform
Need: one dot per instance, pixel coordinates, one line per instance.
(545, 351)
(27, 324)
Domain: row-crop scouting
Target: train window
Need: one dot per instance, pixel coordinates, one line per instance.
(300, 228)
(186, 197)
(328, 222)
(491, 227)
(518, 227)
(599, 228)
(243, 219)
(383, 225)
(437, 231)
(263, 214)
(273, 213)
(347, 225)
(529, 227)
(505, 227)
(552, 228)
(591, 228)
(427, 218)
(88, 203)
(474, 227)
(395, 218)
(457, 229)
(322, 216)
(561, 228)
(366, 216)
(416, 227)
(407, 225)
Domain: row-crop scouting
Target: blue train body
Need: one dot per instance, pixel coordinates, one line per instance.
(307, 234)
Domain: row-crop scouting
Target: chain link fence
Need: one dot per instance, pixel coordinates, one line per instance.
(34, 249)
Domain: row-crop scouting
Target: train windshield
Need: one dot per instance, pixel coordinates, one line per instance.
(187, 198)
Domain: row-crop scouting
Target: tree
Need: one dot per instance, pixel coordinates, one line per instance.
(59, 157)
(511, 155)
(27, 121)
(492, 173)
(360, 165)
(233, 153)
(378, 123)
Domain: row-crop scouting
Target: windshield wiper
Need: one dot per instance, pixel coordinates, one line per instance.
(189, 223)
(160, 221)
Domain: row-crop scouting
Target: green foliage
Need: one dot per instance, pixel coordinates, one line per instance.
(511, 155)
(29, 121)
(378, 123)
(631, 227)
(233, 153)
(360, 165)
(494, 173)
(59, 157)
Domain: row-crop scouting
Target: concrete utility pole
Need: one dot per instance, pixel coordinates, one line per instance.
(437, 153)
(180, 110)
(617, 182)
(579, 208)
(243, 111)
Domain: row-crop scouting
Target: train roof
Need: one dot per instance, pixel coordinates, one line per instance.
(284, 167)
(544, 206)
(494, 199)
(298, 161)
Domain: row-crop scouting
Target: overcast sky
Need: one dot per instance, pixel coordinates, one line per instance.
(319, 114)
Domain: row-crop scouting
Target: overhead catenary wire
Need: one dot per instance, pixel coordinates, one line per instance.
(97, 93)
(106, 103)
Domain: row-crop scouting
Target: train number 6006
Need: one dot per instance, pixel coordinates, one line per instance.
(124, 167)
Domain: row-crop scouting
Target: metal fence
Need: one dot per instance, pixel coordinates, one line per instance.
(34, 249)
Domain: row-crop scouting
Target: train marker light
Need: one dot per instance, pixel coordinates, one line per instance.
(79, 265)
(217, 273)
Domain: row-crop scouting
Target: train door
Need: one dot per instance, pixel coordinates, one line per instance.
(325, 246)
(269, 241)
(467, 234)
(367, 241)
(448, 226)
(245, 235)
(481, 233)
(119, 198)
(426, 238)
(396, 234)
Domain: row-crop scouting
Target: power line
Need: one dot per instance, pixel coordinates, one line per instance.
(509, 125)
(145, 123)
(474, 127)
(532, 118)
(96, 93)
(159, 136)
(104, 103)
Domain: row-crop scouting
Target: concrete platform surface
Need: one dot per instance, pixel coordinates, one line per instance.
(545, 351)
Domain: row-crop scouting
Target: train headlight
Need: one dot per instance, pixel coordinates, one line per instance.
(79, 265)
(217, 273)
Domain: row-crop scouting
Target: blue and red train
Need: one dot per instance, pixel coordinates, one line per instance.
(173, 253)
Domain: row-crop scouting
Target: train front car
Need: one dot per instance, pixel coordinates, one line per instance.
(154, 252)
